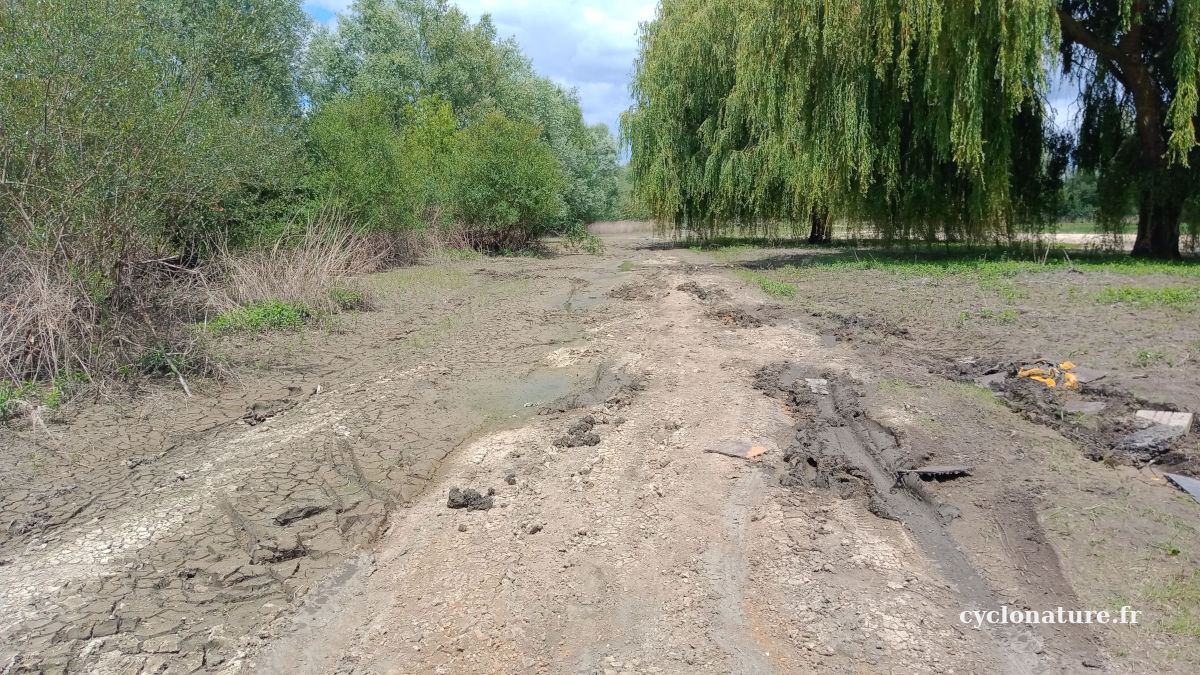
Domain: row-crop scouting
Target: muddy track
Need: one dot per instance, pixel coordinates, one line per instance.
(840, 448)
(639, 504)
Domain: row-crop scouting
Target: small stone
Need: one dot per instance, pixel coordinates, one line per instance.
(511, 479)
(462, 527)
(535, 528)
(817, 385)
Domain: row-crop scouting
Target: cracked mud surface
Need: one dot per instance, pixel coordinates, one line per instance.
(297, 520)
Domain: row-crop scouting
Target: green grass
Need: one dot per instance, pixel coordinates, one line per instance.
(1146, 358)
(995, 263)
(53, 396)
(723, 253)
(951, 260)
(772, 287)
(625, 266)
(348, 299)
(1178, 298)
(260, 317)
(11, 392)
(1177, 601)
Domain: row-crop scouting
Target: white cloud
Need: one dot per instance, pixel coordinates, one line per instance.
(586, 44)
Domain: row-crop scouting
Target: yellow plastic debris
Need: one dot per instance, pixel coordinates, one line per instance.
(1070, 381)
(1050, 375)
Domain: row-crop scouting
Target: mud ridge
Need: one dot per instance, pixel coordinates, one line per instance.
(838, 447)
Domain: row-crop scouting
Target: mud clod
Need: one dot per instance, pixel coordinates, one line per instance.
(611, 385)
(469, 499)
(1144, 445)
(299, 512)
(637, 290)
(703, 292)
(579, 434)
(735, 317)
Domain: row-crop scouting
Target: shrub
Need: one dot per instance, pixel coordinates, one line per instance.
(347, 299)
(506, 183)
(386, 168)
(259, 317)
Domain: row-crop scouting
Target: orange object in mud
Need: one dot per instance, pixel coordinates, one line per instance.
(1070, 381)
(1048, 381)
(1066, 365)
(1033, 372)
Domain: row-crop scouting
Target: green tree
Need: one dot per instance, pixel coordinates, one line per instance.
(1137, 63)
(507, 181)
(922, 118)
(127, 125)
(385, 167)
(404, 50)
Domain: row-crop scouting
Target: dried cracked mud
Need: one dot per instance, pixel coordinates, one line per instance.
(671, 472)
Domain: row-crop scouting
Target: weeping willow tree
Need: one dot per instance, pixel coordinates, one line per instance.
(917, 117)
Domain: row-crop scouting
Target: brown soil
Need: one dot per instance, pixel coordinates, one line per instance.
(584, 412)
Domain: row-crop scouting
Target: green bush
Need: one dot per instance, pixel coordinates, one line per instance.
(259, 317)
(506, 182)
(348, 299)
(385, 167)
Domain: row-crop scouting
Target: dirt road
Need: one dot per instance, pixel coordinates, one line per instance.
(684, 476)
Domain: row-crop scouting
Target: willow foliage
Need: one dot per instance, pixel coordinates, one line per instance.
(917, 116)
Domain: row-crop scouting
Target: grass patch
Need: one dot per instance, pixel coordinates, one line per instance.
(426, 278)
(993, 267)
(1177, 604)
(770, 286)
(1090, 227)
(625, 266)
(1146, 358)
(12, 394)
(52, 395)
(348, 299)
(726, 253)
(260, 317)
(1178, 298)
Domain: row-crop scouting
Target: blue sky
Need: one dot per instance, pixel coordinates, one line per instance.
(588, 45)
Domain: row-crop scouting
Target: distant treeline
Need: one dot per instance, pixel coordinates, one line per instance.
(174, 124)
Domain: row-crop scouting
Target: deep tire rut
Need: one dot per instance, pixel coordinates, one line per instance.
(840, 448)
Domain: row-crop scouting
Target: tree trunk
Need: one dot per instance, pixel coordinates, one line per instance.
(1162, 193)
(1158, 227)
(821, 232)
